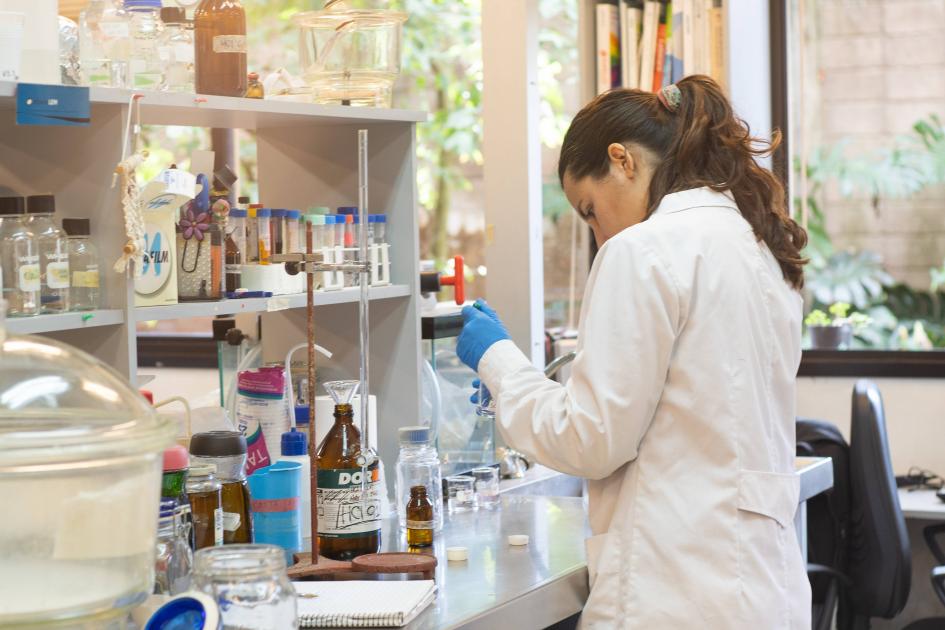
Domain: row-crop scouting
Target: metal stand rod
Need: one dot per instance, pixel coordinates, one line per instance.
(312, 447)
(368, 457)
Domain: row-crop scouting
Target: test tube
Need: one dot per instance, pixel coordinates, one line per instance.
(339, 231)
(263, 216)
(251, 255)
(290, 238)
(277, 231)
(236, 229)
(380, 229)
(318, 230)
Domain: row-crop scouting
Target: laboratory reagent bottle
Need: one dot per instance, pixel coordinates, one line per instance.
(176, 51)
(220, 44)
(53, 253)
(145, 68)
(418, 465)
(349, 515)
(419, 518)
(204, 493)
(85, 294)
(19, 259)
(104, 43)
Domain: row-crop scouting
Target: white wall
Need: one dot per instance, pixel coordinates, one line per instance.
(915, 415)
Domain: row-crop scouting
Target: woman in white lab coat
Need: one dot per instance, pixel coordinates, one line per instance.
(680, 405)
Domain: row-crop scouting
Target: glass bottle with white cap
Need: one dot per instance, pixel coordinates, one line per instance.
(418, 465)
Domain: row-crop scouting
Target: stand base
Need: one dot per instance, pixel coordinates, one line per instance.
(303, 567)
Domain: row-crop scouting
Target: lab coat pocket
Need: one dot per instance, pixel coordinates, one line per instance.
(770, 494)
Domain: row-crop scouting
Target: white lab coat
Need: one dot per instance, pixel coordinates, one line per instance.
(680, 412)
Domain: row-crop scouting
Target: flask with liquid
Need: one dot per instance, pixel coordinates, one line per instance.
(349, 508)
(419, 518)
(220, 43)
(53, 253)
(19, 259)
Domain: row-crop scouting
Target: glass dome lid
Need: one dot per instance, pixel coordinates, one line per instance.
(60, 405)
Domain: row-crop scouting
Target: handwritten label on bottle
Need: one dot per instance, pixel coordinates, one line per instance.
(343, 510)
(88, 279)
(231, 521)
(218, 526)
(419, 524)
(229, 44)
(57, 275)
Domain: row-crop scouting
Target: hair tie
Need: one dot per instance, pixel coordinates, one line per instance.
(670, 97)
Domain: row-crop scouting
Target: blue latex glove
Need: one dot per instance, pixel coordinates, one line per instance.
(481, 329)
(474, 398)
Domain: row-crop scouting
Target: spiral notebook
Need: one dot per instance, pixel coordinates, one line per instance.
(362, 604)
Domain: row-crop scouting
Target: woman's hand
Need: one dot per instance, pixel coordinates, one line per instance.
(481, 329)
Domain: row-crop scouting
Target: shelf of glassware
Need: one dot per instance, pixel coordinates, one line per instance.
(265, 305)
(55, 322)
(198, 110)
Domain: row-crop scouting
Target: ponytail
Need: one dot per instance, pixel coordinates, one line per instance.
(699, 142)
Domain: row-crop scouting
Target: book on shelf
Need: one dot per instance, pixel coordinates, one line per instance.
(649, 44)
(609, 73)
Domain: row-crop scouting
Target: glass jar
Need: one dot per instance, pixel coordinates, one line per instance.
(176, 51)
(220, 46)
(53, 253)
(145, 68)
(418, 465)
(250, 585)
(85, 294)
(173, 562)
(226, 452)
(204, 493)
(104, 43)
(19, 259)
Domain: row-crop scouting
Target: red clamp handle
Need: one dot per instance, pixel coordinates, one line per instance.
(457, 281)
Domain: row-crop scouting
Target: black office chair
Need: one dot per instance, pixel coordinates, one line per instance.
(879, 565)
(938, 578)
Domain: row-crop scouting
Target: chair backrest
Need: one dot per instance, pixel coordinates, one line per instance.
(879, 562)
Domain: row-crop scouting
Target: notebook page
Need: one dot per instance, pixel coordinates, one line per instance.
(362, 604)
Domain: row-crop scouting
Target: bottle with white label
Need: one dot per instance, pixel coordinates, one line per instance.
(220, 44)
(176, 51)
(53, 253)
(85, 293)
(19, 259)
(104, 43)
(145, 69)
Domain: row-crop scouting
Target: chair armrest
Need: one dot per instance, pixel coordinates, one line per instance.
(822, 569)
(930, 533)
(938, 582)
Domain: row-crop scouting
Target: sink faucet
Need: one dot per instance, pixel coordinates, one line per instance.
(552, 368)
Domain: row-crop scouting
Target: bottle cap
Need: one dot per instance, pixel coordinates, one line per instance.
(518, 540)
(301, 415)
(238, 213)
(41, 204)
(234, 337)
(255, 205)
(175, 458)
(221, 327)
(244, 200)
(457, 554)
(294, 443)
(10, 206)
(253, 76)
(349, 218)
(218, 444)
(141, 5)
(293, 214)
(331, 219)
(381, 218)
(414, 435)
(77, 227)
(187, 611)
(316, 219)
(319, 210)
(347, 210)
(263, 212)
(279, 212)
(175, 15)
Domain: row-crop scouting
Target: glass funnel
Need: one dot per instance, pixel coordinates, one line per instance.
(342, 391)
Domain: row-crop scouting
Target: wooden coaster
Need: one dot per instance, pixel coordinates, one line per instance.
(396, 562)
(303, 567)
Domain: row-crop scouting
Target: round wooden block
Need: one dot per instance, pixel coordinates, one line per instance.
(395, 563)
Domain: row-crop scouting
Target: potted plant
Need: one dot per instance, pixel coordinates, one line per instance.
(834, 331)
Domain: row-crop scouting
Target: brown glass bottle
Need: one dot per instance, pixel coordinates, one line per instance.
(220, 48)
(234, 258)
(419, 518)
(349, 523)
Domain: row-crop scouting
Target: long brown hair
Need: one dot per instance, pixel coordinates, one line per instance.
(700, 142)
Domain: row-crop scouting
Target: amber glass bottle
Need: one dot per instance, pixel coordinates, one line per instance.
(220, 48)
(349, 521)
(419, 518)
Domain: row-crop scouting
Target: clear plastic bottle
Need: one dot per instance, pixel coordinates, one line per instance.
(19, 259)
(176, 51)
(53, 253)
(85, 294)
(104, 43)
(418, 465)
(145, 67)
